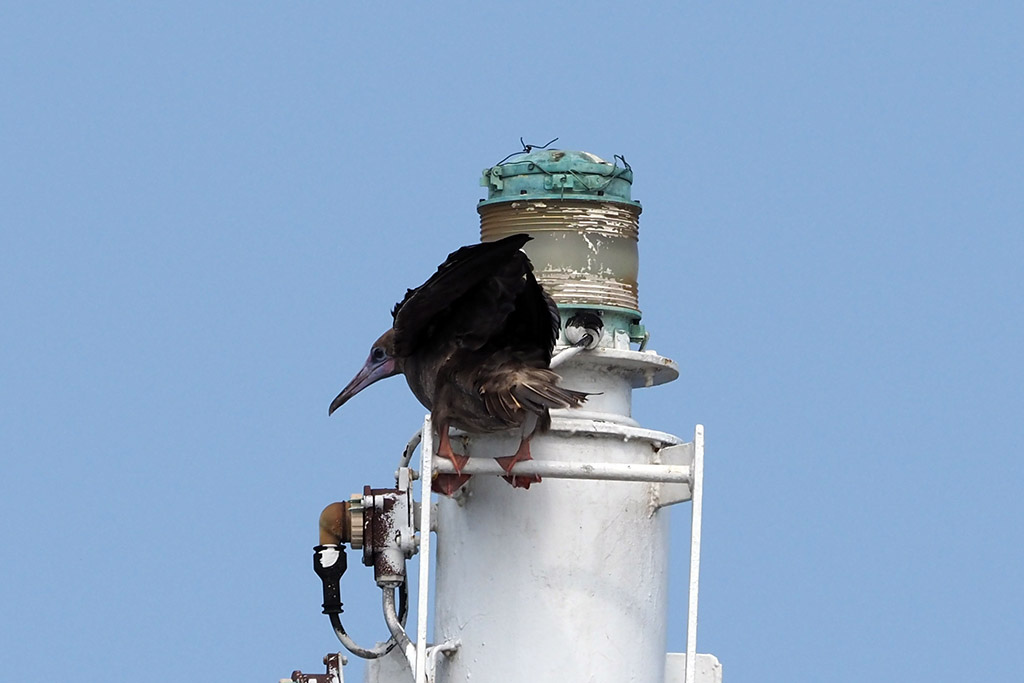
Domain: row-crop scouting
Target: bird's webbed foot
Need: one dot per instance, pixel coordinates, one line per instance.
(448, 484)
(518, 481)
(444, 450)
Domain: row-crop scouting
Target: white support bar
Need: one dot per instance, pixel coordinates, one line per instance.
(695, 522)
(557, 469)
(427, 460)
(664, 494)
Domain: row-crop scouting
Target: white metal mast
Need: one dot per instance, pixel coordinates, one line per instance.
(566, 581)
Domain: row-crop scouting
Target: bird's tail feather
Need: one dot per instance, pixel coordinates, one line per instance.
(548, 395)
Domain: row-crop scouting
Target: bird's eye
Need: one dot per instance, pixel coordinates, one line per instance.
(377, 354)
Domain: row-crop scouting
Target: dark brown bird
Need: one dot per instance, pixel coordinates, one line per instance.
(474, 343)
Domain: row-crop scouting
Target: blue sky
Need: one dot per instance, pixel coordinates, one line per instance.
(207, 210)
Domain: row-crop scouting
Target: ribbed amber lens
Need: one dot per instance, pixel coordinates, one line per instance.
(583, 252)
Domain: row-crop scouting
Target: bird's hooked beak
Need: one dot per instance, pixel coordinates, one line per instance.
(372, 371)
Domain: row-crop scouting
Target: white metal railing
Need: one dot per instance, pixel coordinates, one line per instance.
(426, 508)
(424, 661)
(557, 469)
(697, 498)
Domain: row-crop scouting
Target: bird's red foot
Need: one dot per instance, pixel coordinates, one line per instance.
(519, 481)
(458, 461)
(444, 450)
(448, 484)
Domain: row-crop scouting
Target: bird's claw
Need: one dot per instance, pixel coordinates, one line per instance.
(523, 481)
(458, 461)
(448, 484)
(519, 481)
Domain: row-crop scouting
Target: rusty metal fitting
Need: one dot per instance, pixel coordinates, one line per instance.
(333, 661)
(388, 529)
(343, 523)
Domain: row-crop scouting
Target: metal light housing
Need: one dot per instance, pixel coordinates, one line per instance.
(584, 224)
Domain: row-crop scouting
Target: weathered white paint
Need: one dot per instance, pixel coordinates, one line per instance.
(556, 469)
(707, 670)
(697, 488)
(566, 581)
(669, 493)
(424, 523)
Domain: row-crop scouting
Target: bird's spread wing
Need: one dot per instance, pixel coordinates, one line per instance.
(468, 299)
(534, 321)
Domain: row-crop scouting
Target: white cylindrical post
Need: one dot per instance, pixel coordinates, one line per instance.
(566, 581)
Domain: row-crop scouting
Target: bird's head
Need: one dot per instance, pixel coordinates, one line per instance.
(381, 363)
